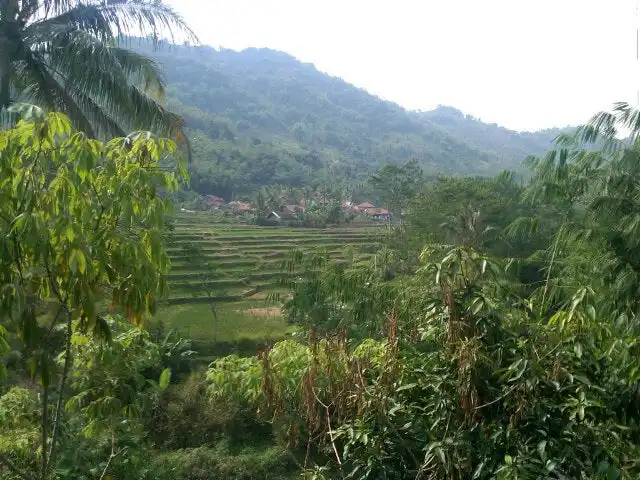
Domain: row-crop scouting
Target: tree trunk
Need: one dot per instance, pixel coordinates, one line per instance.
(8, 24)
(61, 389)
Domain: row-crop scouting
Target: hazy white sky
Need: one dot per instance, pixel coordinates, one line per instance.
(524, 64)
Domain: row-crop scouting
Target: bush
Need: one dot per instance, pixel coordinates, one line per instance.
(19, 417)
(185, 418)
(222, 463)
(18, 408)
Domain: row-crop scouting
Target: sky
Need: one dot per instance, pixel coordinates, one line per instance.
(524, 64)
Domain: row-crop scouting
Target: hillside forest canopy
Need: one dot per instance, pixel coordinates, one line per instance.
(261, 117)
(400, 320)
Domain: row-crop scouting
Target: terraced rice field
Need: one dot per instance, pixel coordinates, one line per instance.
(240, 266)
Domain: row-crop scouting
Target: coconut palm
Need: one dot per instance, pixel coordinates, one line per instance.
(467, 228)
(592, 183)
(68, 55)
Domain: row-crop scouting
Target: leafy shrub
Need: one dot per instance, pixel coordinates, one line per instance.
(19, 407)
(184, 417)
(468, 394)
(223, 463)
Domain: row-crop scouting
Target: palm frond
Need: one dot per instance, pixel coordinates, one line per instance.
(81, 53)
(40, 85)
(110, 19)
(104, 124)
(28, 8)
(112, 82)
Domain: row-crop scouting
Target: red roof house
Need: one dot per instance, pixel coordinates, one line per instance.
(213, 201)
(365, 205)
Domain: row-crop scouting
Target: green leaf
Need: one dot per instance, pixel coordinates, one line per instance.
(508, 460)
(406, 386)
(541, 449)
(73, 261)
(478, 470)
(577, 349)
(69, 234)
(165, 379)
(582, 379)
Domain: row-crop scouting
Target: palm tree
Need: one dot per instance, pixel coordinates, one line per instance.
(591, 183)
(467, 227)
(67, 55)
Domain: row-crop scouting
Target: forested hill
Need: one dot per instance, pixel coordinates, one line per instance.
(260, 116)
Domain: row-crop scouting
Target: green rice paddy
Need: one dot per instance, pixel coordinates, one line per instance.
(240, 266)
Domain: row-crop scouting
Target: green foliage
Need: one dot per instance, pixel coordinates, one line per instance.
(458, 210)
(490, 214)
(115, 385)
(486, 389)
(19, 416)
(184, 417)
(66, 56)
(460, 372)
(327, 297)
(73, 222)
(113, 381)
(115, 388)
(81, 221)
(397, 185)
(18, 407)
(220, 462)
(261, 117)
(596, 194)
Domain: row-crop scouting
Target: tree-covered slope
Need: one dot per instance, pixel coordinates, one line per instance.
(507, 146)
(260, 116)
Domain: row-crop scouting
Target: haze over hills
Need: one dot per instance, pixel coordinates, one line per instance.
(260, 116)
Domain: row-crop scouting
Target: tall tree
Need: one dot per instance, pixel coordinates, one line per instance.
(396, 185)
(81, 221)
(67, 55)
(592, 179)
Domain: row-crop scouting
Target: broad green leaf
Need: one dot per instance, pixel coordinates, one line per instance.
(165, 379)
(550, 466)
(77, 261)
(478, 470)
(542, 445)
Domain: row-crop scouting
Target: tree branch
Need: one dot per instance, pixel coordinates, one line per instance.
(43, 427)
(61, 387)
(113, 454)
(48, 462)
(333, 442)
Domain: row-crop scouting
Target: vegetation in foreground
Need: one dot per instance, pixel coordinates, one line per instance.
(65, 56)
(503, 349)
(493, 336)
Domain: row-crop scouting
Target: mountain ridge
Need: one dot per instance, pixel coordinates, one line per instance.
(260, 116)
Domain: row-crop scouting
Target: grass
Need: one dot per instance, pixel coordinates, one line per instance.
(243, 262)
(234, 322)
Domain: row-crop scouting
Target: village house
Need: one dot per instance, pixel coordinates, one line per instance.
(286, 212)
(241, 207)
(365, 205)
(348, 206)
(361, 207)
(378, 213)
(212, 201)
